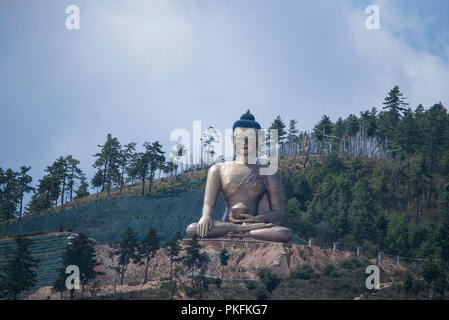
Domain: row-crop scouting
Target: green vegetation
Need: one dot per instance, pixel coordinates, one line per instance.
(224, 257)
(81, 253)
(105, 221)
(397, 204)
(342, 199)
(47, 249)
(18, 275)
(60, 182)
(194, 259)
(268, 282)
(126, 249)
(343, 281)
(148, 248)
(13, 187)
(173, 249)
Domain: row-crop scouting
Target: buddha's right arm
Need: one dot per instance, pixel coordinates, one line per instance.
(213, 186)
(210, 199)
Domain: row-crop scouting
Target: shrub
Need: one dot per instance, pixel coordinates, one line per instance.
(251, 285)
(350, 263)
(329, 269)
(304, 272)
(269, 279)
(218, 282)
(261, 293)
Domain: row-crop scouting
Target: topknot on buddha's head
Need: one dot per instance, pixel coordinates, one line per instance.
(247, 120)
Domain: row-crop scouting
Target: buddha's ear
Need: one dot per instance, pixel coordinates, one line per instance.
(257, 139)
(233, 145)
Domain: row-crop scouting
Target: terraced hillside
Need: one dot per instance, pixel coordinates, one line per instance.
(48, 249)
(105, 220)
(175, 204)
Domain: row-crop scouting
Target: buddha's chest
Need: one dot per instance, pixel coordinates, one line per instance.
(242, 181)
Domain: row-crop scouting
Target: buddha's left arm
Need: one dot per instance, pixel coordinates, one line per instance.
(275, 197)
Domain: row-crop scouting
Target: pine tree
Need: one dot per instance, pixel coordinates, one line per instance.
(224, 257)
(397, 240)
(442, 236)
(81, 253)
(292, 131)
(49, 187)
(97, 180)
(19, 272)
(435, 138)
(395, 101)
(24, 180)
(431, 273)
(156, 159)
(408, 133)
(292, 136)
(140, 167)
(292, 216)
(59, 284)
(389, 118)
(37, 203)
(83, 189)
(148, 249)
(418, 177)
(352, 124)
(339, 128)
(369, 120)
(363, 212)
(193, 257)
(279, 125)
(108, 159)
(126, 156)
(323, 127)
(168, 168)
(74, 173)
(9, 193)
(127, 250)
(173, 248)
(59, 172)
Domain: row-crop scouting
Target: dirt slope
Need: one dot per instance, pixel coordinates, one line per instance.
(246, 258)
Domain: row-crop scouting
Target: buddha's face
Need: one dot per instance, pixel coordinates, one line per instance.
(245, 142)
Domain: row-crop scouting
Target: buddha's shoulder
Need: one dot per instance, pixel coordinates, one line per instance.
(232, 165)
(215, 169)
(223, 166)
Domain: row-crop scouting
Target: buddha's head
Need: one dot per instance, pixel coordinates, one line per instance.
(245, 137)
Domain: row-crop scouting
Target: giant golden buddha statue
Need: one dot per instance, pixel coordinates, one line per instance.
(253, 201)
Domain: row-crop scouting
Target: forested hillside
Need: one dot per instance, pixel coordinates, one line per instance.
(395, 200)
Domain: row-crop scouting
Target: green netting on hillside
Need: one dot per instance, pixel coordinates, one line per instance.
(106, 220)
(297, 240)
(48, 249)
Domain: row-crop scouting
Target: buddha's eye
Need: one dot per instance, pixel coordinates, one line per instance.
(239, 138)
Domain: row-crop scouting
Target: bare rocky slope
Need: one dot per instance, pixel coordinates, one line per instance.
(246, 258)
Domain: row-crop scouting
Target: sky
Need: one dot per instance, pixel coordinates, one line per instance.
(140, 69)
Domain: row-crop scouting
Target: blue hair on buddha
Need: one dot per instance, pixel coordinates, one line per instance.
(247, 120)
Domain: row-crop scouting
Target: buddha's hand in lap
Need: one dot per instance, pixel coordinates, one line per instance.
(243, 218)
(245, 227)
(204, 226)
